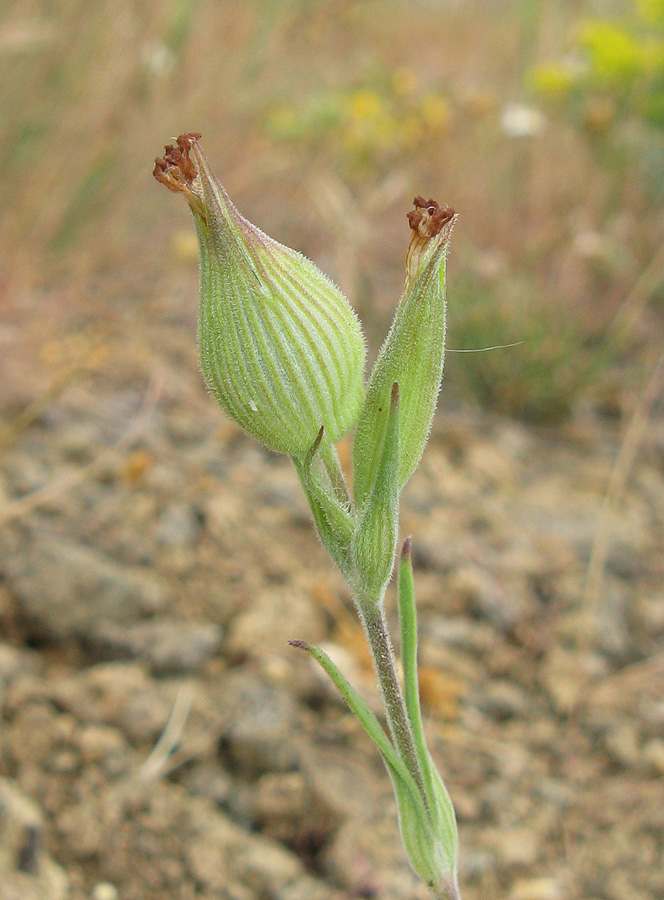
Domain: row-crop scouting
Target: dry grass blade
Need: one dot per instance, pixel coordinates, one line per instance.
(154, 765)
(640, 678)
(86, 361)
(20, 424)
(632, 307)
(615, 488)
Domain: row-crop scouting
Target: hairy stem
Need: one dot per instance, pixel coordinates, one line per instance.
(373, 619)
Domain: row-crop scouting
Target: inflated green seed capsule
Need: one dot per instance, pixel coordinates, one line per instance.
(412, 354)
(281, 348)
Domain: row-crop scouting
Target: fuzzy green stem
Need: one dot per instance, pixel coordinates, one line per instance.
(372, 616)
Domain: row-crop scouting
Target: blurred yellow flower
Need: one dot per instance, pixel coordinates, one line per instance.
(552, 80)
(653, 57)
(367, 123)
(364, 138)
(365, 104)
(615, 55)
(282, 121)
(435, 112)
(618, 72)
(651, 10)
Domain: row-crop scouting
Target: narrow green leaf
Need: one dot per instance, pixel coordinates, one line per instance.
(408, 629)
(362, 713)
(374, 543)
(333, 518)
(443, 826)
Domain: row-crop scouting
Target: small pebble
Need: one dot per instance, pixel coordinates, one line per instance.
(653, 752)
(536, 889)
(517, 847)
(179, 526)
(104, 891)
(622, 745)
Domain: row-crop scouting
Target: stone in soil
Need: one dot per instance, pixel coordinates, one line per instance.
(28, 872)
(170, 646)
(65, 589)
(262, 725)
(221, 856)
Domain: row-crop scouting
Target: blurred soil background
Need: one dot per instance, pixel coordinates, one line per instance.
(158, 739)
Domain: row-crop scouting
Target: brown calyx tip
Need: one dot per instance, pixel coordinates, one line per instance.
(429, 218)
(175, 168)
(301, 645)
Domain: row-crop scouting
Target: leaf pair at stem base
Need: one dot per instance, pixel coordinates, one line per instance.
(426, 815)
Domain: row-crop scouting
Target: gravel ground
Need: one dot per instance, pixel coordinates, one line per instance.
(159, 738)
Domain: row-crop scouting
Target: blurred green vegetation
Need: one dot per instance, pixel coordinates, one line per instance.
(538, 360)
(611, 86)
(540, 122)
(375, 123)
